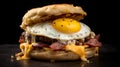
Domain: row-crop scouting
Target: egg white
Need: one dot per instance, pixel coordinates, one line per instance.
(46, 29)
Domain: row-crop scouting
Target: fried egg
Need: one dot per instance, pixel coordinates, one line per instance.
(70, 30)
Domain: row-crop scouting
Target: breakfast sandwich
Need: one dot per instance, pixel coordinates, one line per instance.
(55, 32)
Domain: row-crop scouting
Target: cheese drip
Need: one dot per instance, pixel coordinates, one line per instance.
(80, 50)
(25, 49)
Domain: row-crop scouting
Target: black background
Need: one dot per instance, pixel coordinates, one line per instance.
(102, 17)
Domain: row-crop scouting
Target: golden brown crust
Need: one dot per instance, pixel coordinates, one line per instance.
(60, 55)
(40, 14)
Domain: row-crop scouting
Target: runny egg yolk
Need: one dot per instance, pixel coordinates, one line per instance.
(66, 25)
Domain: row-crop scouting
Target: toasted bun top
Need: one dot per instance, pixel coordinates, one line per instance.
(48, 12)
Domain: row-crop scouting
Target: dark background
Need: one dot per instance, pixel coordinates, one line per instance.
(102, 17)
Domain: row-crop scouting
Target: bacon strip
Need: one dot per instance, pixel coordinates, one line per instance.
(94, 41)
(57, 46)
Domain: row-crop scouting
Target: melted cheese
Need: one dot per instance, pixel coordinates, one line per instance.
(97, 51)
(25, 49)
(80, 50)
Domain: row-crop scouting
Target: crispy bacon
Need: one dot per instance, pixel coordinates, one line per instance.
(22, 38)
(94, 41)
(57, 46)
(97, 37)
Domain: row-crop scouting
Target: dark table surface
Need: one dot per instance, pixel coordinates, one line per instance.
(109, 57)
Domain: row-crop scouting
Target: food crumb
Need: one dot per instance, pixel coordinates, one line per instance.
(12, 56)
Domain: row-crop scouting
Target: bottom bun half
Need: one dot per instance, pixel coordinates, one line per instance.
(60, 55)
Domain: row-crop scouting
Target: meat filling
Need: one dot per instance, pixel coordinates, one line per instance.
(54, 44)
